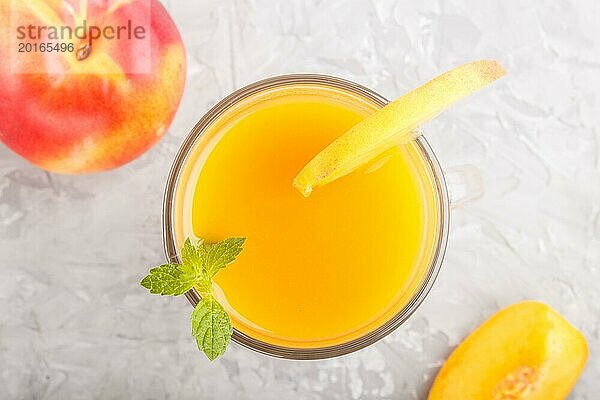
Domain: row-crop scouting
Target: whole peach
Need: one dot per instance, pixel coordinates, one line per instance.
(98, 104)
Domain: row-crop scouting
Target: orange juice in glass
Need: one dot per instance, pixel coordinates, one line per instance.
(319, 276)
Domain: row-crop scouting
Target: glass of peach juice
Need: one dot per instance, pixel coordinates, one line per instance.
(320, 276)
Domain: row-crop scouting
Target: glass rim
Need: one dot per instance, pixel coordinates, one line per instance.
(433, 269)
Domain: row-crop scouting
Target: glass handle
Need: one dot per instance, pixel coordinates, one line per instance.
(465, 184)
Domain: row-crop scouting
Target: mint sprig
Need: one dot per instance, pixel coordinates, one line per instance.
(200, 262)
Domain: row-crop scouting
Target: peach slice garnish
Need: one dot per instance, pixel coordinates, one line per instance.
(393, 124)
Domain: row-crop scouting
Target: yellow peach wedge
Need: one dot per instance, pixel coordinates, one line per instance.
(525, 352)
(393, 124)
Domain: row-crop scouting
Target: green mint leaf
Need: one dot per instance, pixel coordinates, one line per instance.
(190, 258)
(168, 279)
(211, 326)
(216, 256)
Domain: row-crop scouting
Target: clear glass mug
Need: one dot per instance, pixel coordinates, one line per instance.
(465, 184)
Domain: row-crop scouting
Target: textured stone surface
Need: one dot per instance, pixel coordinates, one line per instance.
(74, 324)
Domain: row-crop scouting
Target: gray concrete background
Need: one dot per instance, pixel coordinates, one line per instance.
(74, 324)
